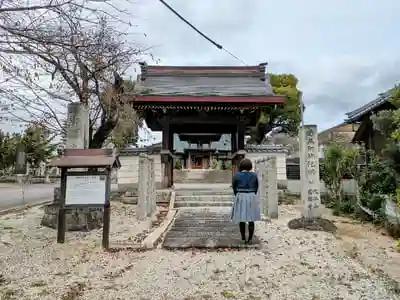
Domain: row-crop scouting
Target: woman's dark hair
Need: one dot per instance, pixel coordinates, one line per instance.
(245, 165)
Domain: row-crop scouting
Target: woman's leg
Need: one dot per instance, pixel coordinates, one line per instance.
(242, 226)
(251, 231)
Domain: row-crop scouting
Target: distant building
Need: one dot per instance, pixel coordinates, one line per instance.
(342, 133)
(291, 143)
(200, 155)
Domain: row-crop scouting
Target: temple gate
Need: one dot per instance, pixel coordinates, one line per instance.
(200, 103)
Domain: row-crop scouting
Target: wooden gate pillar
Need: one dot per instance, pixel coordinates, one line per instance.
(234, 147)
(166, 153)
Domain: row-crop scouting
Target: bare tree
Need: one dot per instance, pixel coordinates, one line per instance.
(74, 53)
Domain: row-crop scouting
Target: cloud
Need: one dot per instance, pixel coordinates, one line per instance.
(332, 88)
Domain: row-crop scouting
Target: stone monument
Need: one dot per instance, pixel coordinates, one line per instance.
(310, 189)
(79, 218)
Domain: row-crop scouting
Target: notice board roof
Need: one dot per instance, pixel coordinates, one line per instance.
(86, 158)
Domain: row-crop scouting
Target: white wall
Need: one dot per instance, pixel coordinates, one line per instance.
(280, 161)
(294, 187)
(158, 166)
(129, 172)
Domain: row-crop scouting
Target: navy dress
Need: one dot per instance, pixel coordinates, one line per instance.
(246, 206)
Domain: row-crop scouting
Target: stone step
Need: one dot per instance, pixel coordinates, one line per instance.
(205, 227)
(203, 222)
(201, 234)
(203, 192)
(202, 203)
(183, 228)
(205, 198)
(209, 243)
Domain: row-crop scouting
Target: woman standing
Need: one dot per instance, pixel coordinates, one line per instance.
(246, 207)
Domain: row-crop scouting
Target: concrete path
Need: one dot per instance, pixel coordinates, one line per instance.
(11, 194)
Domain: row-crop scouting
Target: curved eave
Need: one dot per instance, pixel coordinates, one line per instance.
(267, 99)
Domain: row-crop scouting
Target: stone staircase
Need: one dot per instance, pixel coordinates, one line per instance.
(203, 218)
(205, 227)
(203, 198)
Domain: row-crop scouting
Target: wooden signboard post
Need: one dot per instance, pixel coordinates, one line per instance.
(86, 189)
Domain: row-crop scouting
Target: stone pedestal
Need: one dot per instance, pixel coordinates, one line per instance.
(82, 219)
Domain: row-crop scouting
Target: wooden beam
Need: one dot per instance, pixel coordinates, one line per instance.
(207, 119)
(267, 99)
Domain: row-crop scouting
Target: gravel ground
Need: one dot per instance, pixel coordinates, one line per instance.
(356, 263)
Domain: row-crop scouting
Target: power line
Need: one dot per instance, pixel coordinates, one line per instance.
(220, 47)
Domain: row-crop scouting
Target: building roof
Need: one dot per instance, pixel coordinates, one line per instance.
(205, 80)
(354, 115)
(265, 148)
(343, 132)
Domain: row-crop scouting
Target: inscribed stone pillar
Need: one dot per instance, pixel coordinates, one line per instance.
(302, 153)
(310, 192)
(262, 186)
(114, 179)
(150, 189)
(75, 126)
(141, 209)
(153, 189)
(272, 190)
(189, 161)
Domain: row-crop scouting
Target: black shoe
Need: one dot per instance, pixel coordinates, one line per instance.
(249, 242)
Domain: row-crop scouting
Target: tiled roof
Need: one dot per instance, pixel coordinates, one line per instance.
(265, 148)
(359, 112)
(210, 81)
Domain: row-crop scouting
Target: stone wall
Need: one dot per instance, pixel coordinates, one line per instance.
(202, 176)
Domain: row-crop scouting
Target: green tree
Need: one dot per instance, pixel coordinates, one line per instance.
(7, 151)
(338, 161)
(37, 145)
(387, 122)
(286, 116)
(125, 132)
(178, 164)
(387, 171)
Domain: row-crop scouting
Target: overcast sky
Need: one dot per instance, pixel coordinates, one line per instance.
(343, 52)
